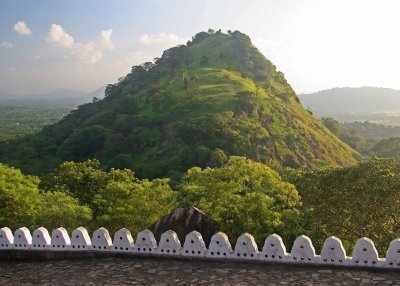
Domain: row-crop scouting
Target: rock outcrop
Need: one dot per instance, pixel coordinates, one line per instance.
(185, 220)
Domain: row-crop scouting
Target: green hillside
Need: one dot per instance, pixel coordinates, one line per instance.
(194, 106)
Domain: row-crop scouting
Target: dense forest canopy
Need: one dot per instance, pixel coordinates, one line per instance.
(241, 195)
(351, 202)
(19, 121)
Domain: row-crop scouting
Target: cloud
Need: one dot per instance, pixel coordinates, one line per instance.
(105, 40)
(91, 52)
(162, 39)
(276, 51)
(22, 28)
(6, 45)
(151, 46)
(58, 37)
(271, 48)
(87, 52)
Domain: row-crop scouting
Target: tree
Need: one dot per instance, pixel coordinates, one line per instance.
(204, 60)
(79, 180)
(192, 87)
(244, 196)
(23, 204)
(350, 136)
(246, 102)
(352, 202)
(194, 78)
(59, 209)
(388, 148)
(83, 143)
(117, 198)
(199, 37)
(148, 66)
(132, 203)
(19, 196)
(218, 158)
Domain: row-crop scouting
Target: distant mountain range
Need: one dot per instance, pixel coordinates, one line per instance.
(60, 98)
(352, 100)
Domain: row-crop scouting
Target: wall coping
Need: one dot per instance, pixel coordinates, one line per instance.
(39, 245)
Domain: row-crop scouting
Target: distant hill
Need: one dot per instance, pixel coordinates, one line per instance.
(196, 105)
(353, 100)
(59, 99)
(367, 138)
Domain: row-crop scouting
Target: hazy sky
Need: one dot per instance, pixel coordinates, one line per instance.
(84, 44)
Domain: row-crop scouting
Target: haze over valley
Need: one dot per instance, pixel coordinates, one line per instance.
(376, 105)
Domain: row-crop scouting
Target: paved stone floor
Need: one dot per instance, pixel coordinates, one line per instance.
(151, 271)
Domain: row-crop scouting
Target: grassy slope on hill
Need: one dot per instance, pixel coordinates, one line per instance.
(194, 106)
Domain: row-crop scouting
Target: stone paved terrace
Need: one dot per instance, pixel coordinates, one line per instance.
(159, 271)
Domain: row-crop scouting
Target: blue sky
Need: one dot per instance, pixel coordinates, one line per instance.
(84, 44)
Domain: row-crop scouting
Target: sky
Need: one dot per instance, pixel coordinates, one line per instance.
(48, 45)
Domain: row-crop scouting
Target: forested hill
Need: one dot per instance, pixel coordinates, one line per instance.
(350, 100)
(194, 106)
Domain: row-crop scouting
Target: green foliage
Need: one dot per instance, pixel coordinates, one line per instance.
(362, 140)
(244, 196)
(117, 198)
(204, 60)
(59, 209)
(76, 194)
(19, 196)
(23, 204)
(373, 131)
(352, 202)
(133, 204)
(79, 180)
(388, 148)
(349, 136)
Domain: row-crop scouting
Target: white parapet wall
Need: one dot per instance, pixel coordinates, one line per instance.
(145, 242)
(123, 241)
(60, 239)
(81, 239)
(41, 238)
(6, 238)
(194, 245)
(274, 250)
(219, 247)
(169, 244)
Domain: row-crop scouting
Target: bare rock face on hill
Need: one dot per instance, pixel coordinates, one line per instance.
(185, 220)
